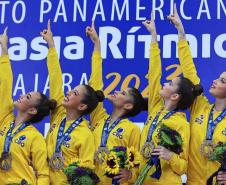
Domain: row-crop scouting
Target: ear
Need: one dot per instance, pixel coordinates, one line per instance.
(128, 106)
(32, 111)
(82, 107)
(174, 96)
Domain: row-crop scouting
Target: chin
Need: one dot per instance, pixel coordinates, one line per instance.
(211, 91)
(161, 93)
(64, 104)
(15, 103)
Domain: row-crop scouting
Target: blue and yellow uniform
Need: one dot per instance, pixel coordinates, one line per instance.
(28, 147)
(80, 144)
(199, 167)
(126, 133)
(177, 165)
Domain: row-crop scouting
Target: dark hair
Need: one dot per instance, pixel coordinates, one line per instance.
(188, 92)
(139, 103)
(91, 99)
(43, 106)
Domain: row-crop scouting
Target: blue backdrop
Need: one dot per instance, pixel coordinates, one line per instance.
(125, 42)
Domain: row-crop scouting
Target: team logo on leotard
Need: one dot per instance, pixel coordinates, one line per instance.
(118, 133)
(199, 119)
(65, 142)
(20, 140)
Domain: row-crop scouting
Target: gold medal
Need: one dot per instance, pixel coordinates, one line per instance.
(207, 148)
(6, 161)
(101, 154)
(57, 161)
(147, 149)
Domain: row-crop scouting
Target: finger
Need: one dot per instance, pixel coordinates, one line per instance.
(118, 176)
(41, 33)
(87, 28)
(93, 25)
(122, 179)
(152, 16)
(221, 182)
(49, 26)
(44, 31)
(155, 153)
(5, 30)
(175, 9)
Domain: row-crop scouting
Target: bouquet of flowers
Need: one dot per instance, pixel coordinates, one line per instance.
(120, 157)
(218, 154)
(78, 174)
(169, 139)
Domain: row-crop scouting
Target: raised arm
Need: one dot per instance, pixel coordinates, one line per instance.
(55, 73)
(6, 79)
(96, 80)
(185, 58)
(155, 68)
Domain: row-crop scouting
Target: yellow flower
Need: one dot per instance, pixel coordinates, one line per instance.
(112, 164)
(133, 159)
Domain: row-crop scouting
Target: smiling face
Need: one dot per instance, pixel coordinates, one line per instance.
(169, 90)
(218, 88)
(73, 99)
(27, 102)
(121, 99)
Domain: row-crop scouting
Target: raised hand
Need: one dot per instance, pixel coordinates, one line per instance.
(175, 19)
(4, 41)
(47, 35)
(91, 32)
(150, 25)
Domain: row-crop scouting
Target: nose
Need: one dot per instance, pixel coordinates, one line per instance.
(215, 81)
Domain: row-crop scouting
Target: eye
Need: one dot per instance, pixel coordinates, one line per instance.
(170, 83)
(123, 93)
(223, 80)
(75, 92)
(28, 97)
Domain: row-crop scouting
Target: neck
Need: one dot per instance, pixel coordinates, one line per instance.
(21, 118)
(220, 104)
(72, 114)
(169, 105)
(116, 114)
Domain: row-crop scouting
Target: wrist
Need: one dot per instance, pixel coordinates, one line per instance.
(4, 50)
(51, 44)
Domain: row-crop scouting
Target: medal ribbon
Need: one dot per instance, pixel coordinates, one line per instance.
(213, 123)
(9, 135)
(107, 130)
(155, 122)
(61, 136)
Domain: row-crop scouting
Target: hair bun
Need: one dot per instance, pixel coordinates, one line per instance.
(52, 104)
(198, 89)
(100, 95)
(145, 105)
